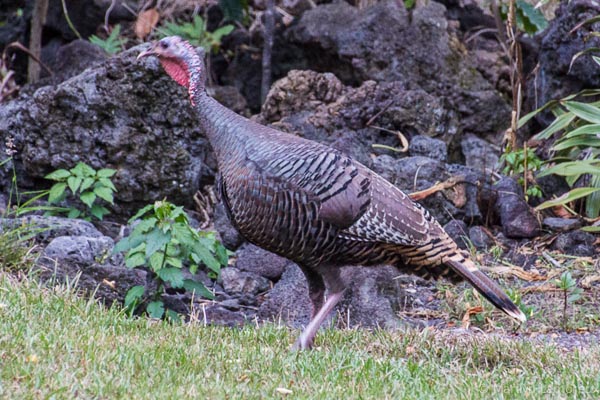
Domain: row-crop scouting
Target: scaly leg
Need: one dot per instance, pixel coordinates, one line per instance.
(305, 341)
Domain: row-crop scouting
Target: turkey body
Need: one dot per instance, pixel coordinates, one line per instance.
(316, 206)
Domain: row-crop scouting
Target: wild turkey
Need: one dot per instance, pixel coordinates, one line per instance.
(314, 205)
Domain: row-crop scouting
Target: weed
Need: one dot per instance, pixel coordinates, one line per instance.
(164, 240)
(523, 162)
(87, 184)
(113, 43)
(571, 293)
(196, 33)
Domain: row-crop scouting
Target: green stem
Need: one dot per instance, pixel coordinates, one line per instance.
(69, 22)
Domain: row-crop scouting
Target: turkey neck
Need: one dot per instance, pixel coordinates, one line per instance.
(232, 136)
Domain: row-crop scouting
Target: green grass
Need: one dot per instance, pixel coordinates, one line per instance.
(54, 344)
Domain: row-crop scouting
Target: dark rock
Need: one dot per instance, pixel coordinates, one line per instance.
(479, 238)
(373, 298)
(370, 44)
(230, 97)
(478, 153)
(288, 300)
(516, 217)
(385, 166)
(419, 173)
(230, 237)
(318, 107)
(261, 262)
(217, 315)
(48, 228)
(473, 183)
(124, 114)
(428, 147)
(458, 231)
(88, 262)
(561, 224)
(235, 281)
(576, 243)
(72, 59)
(556, 77)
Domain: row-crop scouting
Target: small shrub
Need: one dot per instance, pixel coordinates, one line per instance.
(195, 32)
(164, 241)
(523, 162)
(113, 43)
(87, 184)
(571, 293)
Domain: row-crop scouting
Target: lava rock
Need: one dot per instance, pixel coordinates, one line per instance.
(235, 281)
(479, 154)
(146, 130)
(428, 147)
(48, 228)
(72, 59)
(288, 300)
(458, 231)
(576, 243)
(230, 237)
(479, 238)
(88, 261)
(561, 224)
(253, 259)
(516, 217)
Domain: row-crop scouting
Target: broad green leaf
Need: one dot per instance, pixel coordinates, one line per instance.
(141, 212)
(105, 173)
(222, 31)
(128, 243)
(184, 234)
(73, 182)
(104, 193)
(86, 184)
(156, 261)
(205, 256)
(589, 129)
(174, 262)
(568, 197)
(584, 111)
(58, 175)
(99, 211)
(156, 240)
(135, 260)
(87, 198)
(172, 316)
(558, 124)
(527, 117)
(578, 141)
(56, 192)
(73, 213)
(172, 275)
(591, 229)
(573, 168)
(107, 183)
(198, 288)
(592, 203)
(134, 294)
(155, 309)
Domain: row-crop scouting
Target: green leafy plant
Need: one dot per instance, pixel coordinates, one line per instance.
(87, 184)
(576, 150)
(196, 33)
(113, 43)
(571, 293)
(164, 241)
(517, 298)
(529, 19)
(522, 162)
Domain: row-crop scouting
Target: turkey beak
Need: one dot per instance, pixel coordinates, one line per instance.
(150, 52)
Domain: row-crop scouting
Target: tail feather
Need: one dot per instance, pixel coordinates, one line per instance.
(484, 285)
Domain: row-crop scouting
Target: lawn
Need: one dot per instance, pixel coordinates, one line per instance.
(54, 344)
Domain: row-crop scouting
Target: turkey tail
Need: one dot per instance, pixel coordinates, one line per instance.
(484, 285)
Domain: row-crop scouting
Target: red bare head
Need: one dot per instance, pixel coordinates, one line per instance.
(180, 60)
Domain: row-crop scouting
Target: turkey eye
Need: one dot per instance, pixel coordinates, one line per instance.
(164, 45)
